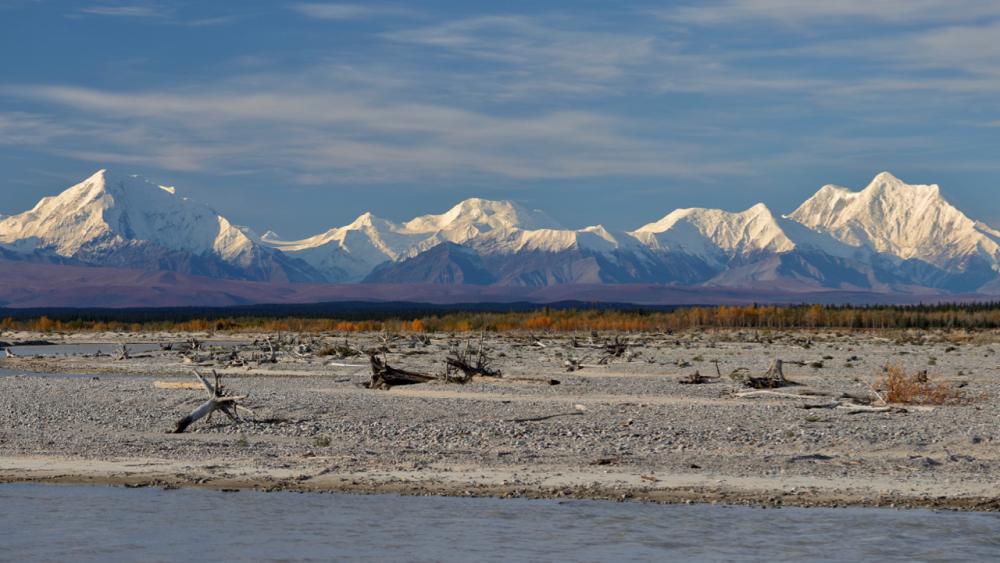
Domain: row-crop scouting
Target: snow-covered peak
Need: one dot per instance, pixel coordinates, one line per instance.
(482, 215)
(367, 219)
(109, 209)
(708, 231)
(903, 220)
(825, 207)
(512, 241)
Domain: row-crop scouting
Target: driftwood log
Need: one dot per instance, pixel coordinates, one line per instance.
(385, 376)
(122, 353)
(616, 348)
(217, 401)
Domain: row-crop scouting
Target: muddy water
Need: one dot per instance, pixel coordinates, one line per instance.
(81, 523)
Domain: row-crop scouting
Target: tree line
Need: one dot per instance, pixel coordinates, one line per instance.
(978, 316)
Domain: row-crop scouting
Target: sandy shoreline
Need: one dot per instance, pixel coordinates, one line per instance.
(643, 435)
(520, 482)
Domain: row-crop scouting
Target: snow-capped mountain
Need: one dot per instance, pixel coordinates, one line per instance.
(717, 235)
(118, 220)
(890, 236)
(351, 252)
(911, 233)
(908, 222)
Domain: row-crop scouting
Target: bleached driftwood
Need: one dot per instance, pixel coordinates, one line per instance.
(272, 357)
(217, 401)
(853, 408)
(122, 353)
(537, 342)
(768, 393)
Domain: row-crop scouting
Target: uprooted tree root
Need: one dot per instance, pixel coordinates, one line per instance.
(385, 377)
(772, 379)
(899, 387)
(471, 364)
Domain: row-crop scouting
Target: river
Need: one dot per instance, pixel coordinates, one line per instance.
(98, 523)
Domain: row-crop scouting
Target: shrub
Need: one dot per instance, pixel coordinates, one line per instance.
(917, 389)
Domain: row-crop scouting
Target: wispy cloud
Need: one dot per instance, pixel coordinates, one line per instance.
(707, 90)
(160, 14)
(128, 11)
(530, 57)
(22, 128)
(534, 55)
(362, 135)
(325, 11)
(797, 12)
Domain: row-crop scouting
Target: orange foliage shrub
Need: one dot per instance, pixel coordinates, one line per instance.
(917, 389)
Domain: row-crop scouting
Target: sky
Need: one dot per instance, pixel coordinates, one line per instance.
(299, 116)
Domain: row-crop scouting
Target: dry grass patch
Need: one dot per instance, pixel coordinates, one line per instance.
(900, 387)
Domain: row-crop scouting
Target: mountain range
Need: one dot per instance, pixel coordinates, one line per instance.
(888, 238)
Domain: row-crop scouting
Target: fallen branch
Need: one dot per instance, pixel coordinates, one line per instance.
(832, 405)
(218, 401)
(535, 380)
(580, 409)
(767, 393)
(858, 409)
(573, 364)
(852, 408)
(697, 378)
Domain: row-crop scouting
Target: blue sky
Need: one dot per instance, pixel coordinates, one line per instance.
(298, 116)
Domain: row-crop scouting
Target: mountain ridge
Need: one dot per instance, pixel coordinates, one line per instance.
(887, 237)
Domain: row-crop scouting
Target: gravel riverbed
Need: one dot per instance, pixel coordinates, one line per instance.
(627, 429)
